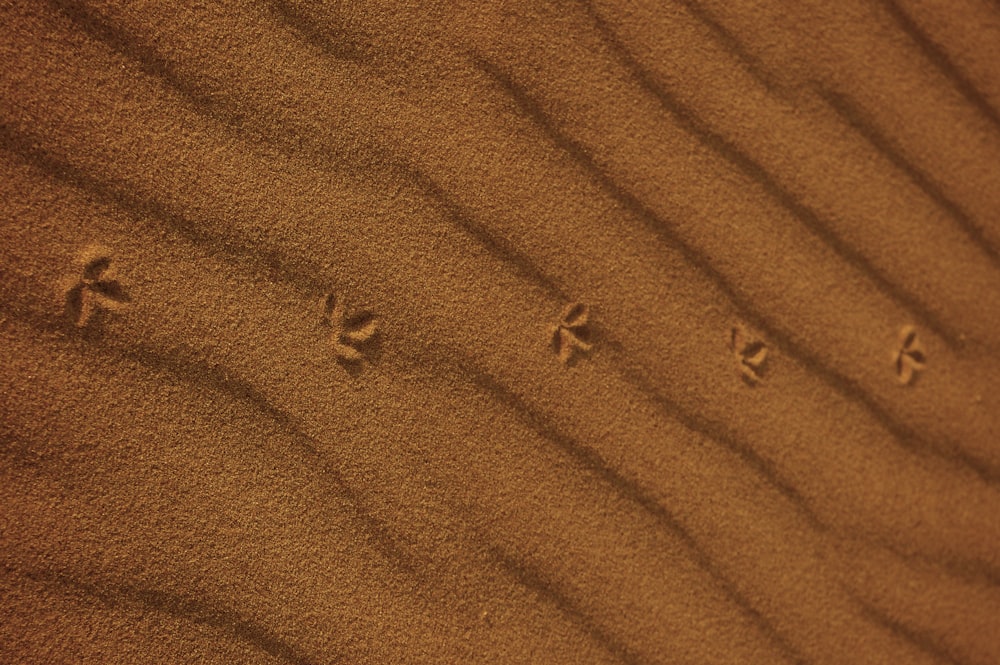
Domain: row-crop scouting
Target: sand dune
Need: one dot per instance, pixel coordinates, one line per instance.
(500, 332)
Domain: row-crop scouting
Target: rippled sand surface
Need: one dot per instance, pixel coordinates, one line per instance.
(500, 332)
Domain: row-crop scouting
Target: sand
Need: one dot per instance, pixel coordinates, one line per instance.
(459, 332)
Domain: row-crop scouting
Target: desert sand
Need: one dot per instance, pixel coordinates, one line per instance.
(500, 332)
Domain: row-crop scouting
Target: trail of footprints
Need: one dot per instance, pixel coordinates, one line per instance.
(92, 289)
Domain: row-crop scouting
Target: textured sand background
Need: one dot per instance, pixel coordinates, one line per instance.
(195, 469)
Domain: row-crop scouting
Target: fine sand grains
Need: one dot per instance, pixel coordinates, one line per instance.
(528, 332)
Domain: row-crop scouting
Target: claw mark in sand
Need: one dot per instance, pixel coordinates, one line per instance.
(572, 333)
(750, 354)
(94, 288)
(347, 334)
(909, 358)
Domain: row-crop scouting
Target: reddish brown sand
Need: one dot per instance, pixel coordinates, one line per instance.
(195, 468)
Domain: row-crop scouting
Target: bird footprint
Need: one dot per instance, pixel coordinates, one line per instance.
(94, 288)
(572, 333)
(347, 334)
(750, 354)
(909, 357)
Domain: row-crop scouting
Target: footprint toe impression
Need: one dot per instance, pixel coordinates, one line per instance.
(909, 357)
(750, 354)
(348, 335)
(571, 334)
(96, 288)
